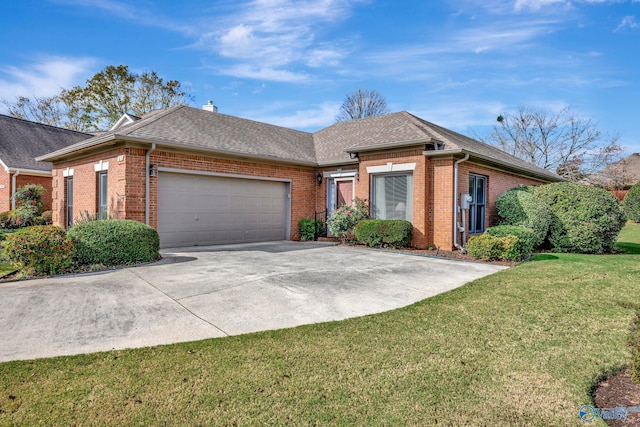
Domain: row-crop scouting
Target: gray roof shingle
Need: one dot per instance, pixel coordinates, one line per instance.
(197, 129)
(21, 141)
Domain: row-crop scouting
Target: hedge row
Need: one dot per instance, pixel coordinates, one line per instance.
(49, 249)
(395, 233)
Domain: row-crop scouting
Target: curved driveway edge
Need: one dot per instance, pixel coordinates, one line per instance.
(208, 292)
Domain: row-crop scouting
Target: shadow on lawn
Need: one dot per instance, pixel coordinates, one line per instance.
(628, 248)
(544, 257)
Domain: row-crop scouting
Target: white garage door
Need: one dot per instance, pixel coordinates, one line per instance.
(197, 210)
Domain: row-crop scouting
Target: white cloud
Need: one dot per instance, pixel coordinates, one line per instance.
(249, 71)
(312, 118)
(628, 22)
(43, 78)
(536, 4)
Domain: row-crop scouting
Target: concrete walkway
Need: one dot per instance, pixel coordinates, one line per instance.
(207, 292)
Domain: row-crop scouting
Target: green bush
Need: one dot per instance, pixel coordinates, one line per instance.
(395, 233)
(310, 229)
(525, 244)
(344, 219)
(114, 242)
(45, 248)
(632, 203)
(585, 219)
(490, 248)
(5, 219)
(520, 207)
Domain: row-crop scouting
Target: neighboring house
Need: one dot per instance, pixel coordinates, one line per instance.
(205, 178)
(618, 177)
(21, 141)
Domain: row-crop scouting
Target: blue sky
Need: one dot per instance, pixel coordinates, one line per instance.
(455, 63)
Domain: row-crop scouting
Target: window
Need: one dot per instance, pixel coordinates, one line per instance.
(103, 212)
(392, 196)
(477, 208)
(68, 188)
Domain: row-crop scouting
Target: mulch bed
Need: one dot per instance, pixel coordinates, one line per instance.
(616, 391)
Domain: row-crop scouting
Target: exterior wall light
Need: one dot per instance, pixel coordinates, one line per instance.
(153, 170)
(319, 178)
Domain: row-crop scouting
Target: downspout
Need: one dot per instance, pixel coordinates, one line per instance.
(13, 189)
(147, 162)
(456, 206)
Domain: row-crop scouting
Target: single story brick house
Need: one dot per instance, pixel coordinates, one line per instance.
(21, 141)
(200, 177)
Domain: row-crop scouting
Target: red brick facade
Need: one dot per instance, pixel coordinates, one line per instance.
(6, 188)
(433, 186)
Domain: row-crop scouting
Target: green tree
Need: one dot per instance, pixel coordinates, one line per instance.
(102, 100)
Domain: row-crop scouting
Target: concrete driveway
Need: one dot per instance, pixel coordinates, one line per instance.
(207, 292)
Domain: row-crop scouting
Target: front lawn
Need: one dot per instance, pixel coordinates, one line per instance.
(521, 347)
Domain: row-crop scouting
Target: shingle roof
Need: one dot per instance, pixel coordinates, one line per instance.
(203, 130)
(405, 128)
(192, 128)
(622, 174)
(21, 141)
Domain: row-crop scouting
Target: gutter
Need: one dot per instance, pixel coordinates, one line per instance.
(147, 158)
(456, 206)
(13, 189)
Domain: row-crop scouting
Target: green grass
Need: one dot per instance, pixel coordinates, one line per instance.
(521, 347)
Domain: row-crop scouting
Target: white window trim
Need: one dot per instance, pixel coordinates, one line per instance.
(67, 173)
(340, 174)
(390, 167)
(101, 166)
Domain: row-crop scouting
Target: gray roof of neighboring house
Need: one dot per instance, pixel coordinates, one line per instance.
(21, 141)
(197, 129)
(191, 128)
(619, 175)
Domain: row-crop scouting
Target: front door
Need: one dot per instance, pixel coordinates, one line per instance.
(340, 193)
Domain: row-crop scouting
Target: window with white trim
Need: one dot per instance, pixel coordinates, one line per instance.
(392, 196)
(103, 204)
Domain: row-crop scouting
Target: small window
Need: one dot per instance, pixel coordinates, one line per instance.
(477, 207)
(392, 196)
(68, 188)
(103, 211)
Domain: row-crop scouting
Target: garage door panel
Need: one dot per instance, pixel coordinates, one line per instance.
(228, 210)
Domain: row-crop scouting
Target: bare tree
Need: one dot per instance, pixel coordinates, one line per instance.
(360, 104)
(102, 101)
(564, 142)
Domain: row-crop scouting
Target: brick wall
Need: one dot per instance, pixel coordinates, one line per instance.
(421, 232)
(85, 185)
(22, 180)
(5, 191)
(497, 183)
(126, 182)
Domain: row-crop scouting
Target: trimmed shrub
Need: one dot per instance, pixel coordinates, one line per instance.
(114, 242)
(526, 240)
(310, 229)
(486, 247)
(44, 248)
(344, 219)
(384, 232)
(585, 219)
(520, 207)
(632, 203)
